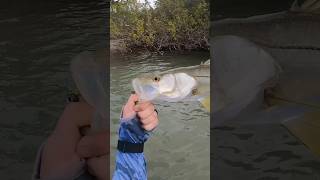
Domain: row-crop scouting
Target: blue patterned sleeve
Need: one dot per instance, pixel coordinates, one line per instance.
(131, 166)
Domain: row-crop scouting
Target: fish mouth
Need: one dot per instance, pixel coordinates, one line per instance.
(146, 92)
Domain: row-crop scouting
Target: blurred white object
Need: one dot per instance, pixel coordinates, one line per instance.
(89, 73)
(241, 72)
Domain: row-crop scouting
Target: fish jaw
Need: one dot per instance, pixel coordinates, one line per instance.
(146, 91)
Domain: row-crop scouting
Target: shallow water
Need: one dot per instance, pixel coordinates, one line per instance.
(179, 148)
(258, 147)
(37, 41)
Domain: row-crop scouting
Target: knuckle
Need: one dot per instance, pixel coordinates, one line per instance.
(145, 127)
(151, 126)
(141, 115)
(148, 127)
(147, 121)
(156, 123)
(152, 119)
(143, 121)
(149, 115)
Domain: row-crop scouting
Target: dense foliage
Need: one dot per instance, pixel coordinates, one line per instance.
(169, 25)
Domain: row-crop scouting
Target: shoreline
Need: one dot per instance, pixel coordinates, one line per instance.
(118, 47)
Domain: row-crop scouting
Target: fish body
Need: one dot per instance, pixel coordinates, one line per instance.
(241, 72)
(180, 84)
(277, 30)
(289, 37)
(89, 74)
(293, 42)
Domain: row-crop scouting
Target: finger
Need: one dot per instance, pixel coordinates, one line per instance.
(150, 119)
(97, 166)
(93, 145)
(79, 112)
(146, 113)
(151, 126)
(142, 106)
(132, 100)
(127, 110)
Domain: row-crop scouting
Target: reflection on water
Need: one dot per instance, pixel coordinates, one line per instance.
(261, 152)
(37, 42)
(179, 148)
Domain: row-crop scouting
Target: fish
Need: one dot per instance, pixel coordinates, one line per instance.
(288, 36)
(291, 40)
(88, 70)
(241, 71)
(311, 6)
(190, 83)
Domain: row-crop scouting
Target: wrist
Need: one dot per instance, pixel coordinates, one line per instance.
(131, 130)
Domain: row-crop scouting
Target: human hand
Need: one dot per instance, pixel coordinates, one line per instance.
(93, 145)
(95, 148)
(99, 167)
(144, 110)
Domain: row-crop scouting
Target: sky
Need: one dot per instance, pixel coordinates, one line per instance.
(152, 2)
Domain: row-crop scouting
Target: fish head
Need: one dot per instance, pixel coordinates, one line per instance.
(169, 86)
(147, 86)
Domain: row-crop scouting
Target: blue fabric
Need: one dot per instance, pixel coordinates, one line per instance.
(131, 166)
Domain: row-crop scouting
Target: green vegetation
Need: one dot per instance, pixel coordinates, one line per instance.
(170, 25)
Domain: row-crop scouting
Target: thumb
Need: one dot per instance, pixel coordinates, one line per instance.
(93, 145)
(128, 109)
(132, 100)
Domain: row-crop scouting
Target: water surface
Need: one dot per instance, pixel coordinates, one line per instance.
(37, 41)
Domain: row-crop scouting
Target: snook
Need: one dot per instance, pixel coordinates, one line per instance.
(288, 36)
(181, 84)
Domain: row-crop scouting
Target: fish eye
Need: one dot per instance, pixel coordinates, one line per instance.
(194, 92)
(156, 78)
